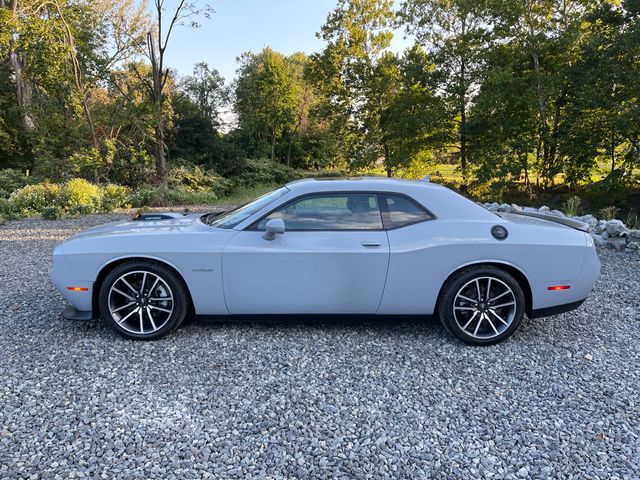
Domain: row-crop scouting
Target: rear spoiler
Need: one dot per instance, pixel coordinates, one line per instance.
(567, 221)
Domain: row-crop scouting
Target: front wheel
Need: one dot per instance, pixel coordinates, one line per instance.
(481, 305)
(143, 300)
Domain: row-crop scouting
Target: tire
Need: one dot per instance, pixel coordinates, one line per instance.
(143, 300)
(475, 318)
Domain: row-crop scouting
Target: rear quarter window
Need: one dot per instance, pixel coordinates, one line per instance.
(400, 211)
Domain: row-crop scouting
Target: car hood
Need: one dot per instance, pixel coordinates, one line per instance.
(178, 224)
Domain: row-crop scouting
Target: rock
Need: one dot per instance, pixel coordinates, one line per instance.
(605, 235)
(523, 472)
(557, 213)
(632, 247)
(516, 208)
(633, 235)
(505, 207)
(598, 240)
(493, 206)
(601, 226)
(617, 243)
(544, 209)
(588, 219)
(530, 210)
(588, 356)
(615, 228)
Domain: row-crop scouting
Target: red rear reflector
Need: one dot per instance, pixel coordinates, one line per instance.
(78, 289)
(559, 287)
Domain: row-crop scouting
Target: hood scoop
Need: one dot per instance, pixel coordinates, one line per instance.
(155, 217)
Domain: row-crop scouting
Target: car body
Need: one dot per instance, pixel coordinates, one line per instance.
(351, 246)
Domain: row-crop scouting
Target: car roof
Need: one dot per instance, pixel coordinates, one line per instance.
(374, 184)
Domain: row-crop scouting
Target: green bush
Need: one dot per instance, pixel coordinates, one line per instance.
(12, 180)
(166, 197)
(258, 172)
(32, 199)
(52, 213)
(115, 196)
(197, 179)
(81, 195)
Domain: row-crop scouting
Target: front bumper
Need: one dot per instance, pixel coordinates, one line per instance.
(70, 313)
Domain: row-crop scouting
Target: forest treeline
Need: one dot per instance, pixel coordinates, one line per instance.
(518, 95)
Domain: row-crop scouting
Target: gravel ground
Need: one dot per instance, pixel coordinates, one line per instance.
(312, 399)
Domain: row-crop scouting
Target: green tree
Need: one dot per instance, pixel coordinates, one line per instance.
(456, 32)
(265, 98)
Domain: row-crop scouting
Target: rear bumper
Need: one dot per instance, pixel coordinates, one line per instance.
(70, 313)
(556, 310)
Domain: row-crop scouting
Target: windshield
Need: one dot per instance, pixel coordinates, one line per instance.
(233, 217)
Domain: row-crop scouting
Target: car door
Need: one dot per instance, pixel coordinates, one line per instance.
(332, 258)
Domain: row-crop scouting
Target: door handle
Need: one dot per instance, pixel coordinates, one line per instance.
(371, 244)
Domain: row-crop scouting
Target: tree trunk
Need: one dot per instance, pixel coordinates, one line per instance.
(542, 108)
(462, 126)
(273, 145)
(23, 90)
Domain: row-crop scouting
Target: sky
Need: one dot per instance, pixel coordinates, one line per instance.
(239, 26)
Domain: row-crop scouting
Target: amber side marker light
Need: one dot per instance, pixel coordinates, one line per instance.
(78, 289)
(559, 287)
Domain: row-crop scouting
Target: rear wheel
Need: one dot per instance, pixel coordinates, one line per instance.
(481, 305)
(143, 300)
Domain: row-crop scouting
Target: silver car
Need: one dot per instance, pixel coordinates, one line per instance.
(355, 246)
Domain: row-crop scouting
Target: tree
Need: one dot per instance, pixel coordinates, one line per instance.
(456, 32)
(265, 97)
(206, 89)
(157, 42)
(354, 79)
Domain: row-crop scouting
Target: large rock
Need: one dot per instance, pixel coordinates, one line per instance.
(632, 247)
(505, 207)
(493, 207)
(588, 219)
(516, 208)
(633, 236)
(615, 228)
(557, 213)
(601, 226)
(598, 240)
(617, 243)
(544, 209)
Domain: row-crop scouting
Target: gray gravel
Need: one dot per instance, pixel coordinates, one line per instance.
(312, 399)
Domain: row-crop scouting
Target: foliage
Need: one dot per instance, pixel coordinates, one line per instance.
(571, 205)
(80, 195)
(114, 196)
(33, 199)
(258, 172)
(164, 197)
(12, 180)
(196, 179)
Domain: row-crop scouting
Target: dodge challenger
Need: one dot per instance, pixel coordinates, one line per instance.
(367, 246)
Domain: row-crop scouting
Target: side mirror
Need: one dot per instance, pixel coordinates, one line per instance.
(274, 227)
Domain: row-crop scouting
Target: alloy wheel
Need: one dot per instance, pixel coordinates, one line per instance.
(484, 307)
(140, 302)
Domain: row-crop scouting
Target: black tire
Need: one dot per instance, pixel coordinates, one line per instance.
(487, 321)
(173, 285)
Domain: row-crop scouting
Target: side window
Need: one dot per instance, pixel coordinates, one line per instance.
(335, 211)
(399, 211)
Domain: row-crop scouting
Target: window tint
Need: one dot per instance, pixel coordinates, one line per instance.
(398, 211)
(334, 211)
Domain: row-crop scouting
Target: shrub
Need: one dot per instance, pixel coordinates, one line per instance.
(114, 196)
(258, 172)
(52, 212)
(81, 195)
(608, 213)
(165, 197)
(32, 199)
(571, 205)
(197, 179)
(12, 180)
